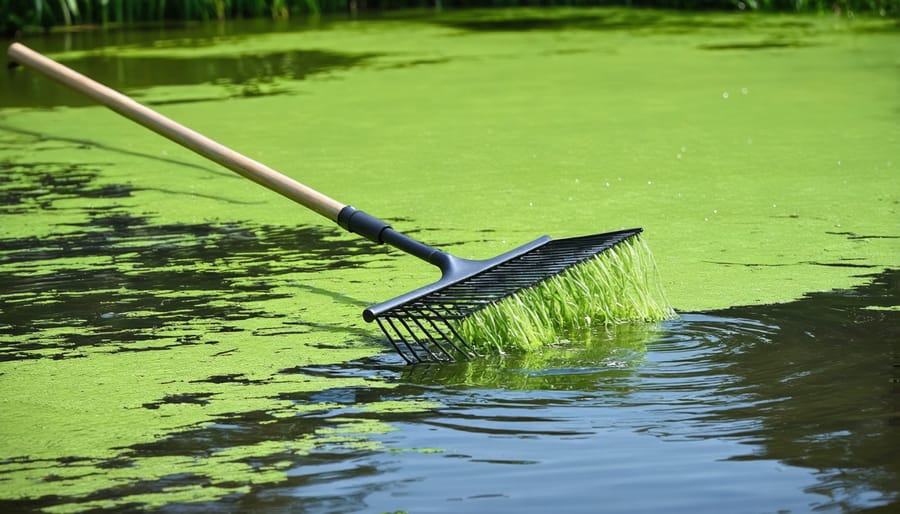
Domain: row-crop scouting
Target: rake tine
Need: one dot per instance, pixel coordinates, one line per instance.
(466, 350)
(433, 340)
(394, 343)
(422, 345)
(409, 346)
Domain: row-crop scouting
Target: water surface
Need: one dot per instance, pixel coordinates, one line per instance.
(174, 337)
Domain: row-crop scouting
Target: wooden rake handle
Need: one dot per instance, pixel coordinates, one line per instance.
(178, 133)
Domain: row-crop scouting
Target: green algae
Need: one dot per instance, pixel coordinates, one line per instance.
(397, 406)
(222, 473)
(620, 285)
(83, 392)
(157, 299)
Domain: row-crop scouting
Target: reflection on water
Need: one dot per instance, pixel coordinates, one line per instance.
(776, 408)
(611, 351)
(145, 278)
(250, 74)
(153, 276)
(788, 407)
(646, 20)
(810, 386)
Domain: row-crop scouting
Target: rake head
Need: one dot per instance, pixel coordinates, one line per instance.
(423, 325)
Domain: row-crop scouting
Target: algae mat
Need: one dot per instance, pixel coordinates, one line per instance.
(152, 303)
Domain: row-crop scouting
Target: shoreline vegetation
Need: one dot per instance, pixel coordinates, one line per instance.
(34, 16)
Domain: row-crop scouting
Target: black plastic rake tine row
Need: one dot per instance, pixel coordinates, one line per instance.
(460, 300)
(407, 341)
(420, 339)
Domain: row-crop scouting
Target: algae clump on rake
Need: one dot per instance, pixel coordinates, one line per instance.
(619, 285)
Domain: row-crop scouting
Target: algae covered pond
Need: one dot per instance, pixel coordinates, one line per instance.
(176, 338)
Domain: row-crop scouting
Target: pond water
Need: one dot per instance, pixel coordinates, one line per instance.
(176, 338)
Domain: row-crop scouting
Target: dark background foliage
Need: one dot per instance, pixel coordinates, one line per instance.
(37, 15)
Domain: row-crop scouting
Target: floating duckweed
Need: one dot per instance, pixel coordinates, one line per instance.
(619, 285)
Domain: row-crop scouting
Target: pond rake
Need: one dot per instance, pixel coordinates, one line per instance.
(422, 325)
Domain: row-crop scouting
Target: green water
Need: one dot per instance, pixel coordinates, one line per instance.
(176, 336)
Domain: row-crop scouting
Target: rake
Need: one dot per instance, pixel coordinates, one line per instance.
(422, 325)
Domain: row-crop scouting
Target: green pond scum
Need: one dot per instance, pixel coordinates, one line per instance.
(172, 335)
(620, 285)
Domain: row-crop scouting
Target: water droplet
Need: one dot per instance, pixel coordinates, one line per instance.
(705, 219)
(744, 91)
(678, 156)
(683, 149)
(578, 181)
(725, 95)
(773, 205)
(839, 163)
(531, 204)
(715, 211)
(108, 315)
(607, 184)
(649, 182)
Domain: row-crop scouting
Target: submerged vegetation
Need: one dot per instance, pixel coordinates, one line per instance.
(17, 15)
(617, 350)
(620, 285)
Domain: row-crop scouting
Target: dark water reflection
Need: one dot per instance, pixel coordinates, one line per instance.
(242, 75)
(143, 276)
(156, 275)
(780, 408)
(792, 407)
(120, 59)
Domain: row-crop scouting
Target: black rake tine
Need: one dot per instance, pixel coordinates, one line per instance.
(409, 346)
(433, 340)
(394, 343)
(419, 342)
(445, 338)
(467, 349)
